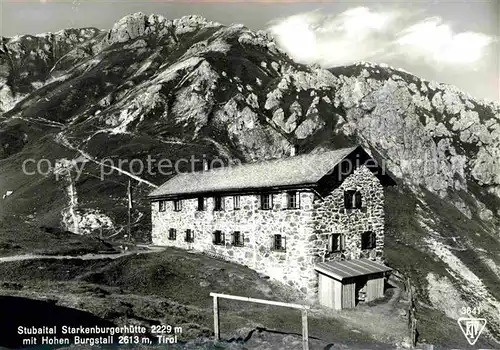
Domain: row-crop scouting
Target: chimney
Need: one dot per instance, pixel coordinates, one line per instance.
(292, 151)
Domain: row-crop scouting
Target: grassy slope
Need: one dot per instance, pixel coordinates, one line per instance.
(19, 237)
(169, 288)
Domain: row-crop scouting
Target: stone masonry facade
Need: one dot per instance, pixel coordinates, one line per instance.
(306, 229)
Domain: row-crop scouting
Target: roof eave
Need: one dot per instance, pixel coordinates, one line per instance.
(329, 273)
(248, 190)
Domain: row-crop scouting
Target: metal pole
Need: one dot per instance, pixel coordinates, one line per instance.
(129, 195)
(216, 318)
(305, 332)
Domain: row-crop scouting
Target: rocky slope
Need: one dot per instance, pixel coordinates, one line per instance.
(150, 86)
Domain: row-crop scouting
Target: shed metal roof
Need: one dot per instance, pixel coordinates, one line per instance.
(298, 170)
(350, 268)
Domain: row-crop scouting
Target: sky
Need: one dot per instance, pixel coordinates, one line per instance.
(455, 42)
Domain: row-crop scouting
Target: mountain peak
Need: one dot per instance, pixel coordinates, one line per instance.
(137, 24)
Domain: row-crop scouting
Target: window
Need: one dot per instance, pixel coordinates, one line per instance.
(218, 237)
(279, 243)
(368, 240)
(172, 234)
(238, 239)
(177, 205)
(162, 205)
(335, 243)
(352, 199)
(218, 203)
(266, 201)
(236, 202)
(201, 203)
(189, 236)
(292, 200)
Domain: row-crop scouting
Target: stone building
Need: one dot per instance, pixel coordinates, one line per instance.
(285, 218)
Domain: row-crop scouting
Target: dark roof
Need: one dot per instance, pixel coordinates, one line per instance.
(350, 268)
(298, 170)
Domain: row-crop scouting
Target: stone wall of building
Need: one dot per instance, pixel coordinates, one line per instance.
(293, 266)
(331, 216)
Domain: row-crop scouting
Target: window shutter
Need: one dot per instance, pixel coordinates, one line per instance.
(283, 243)
(372, 240)
(357, 199)
(342, 242)
(330, 243)
(222, 236)
(171, 234)
(347, 201)
(233, 238)
(214, 235)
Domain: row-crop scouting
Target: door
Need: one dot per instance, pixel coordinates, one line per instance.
(361, 283)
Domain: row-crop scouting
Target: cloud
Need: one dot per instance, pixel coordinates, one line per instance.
(360, 34)
(433, 40)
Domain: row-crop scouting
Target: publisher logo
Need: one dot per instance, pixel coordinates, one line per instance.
(471, 328)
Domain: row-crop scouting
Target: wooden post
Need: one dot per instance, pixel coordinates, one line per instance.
(305, 331)
(304, 308)
(129, 197)
(216, 318)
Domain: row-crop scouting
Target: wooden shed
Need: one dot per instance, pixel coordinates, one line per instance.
(343, 284)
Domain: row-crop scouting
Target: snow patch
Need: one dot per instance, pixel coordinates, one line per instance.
(6, 194)
(87, 221)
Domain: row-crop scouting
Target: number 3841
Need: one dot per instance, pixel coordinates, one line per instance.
(470, 311)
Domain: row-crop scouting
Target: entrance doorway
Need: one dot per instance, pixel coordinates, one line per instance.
(360, 289)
